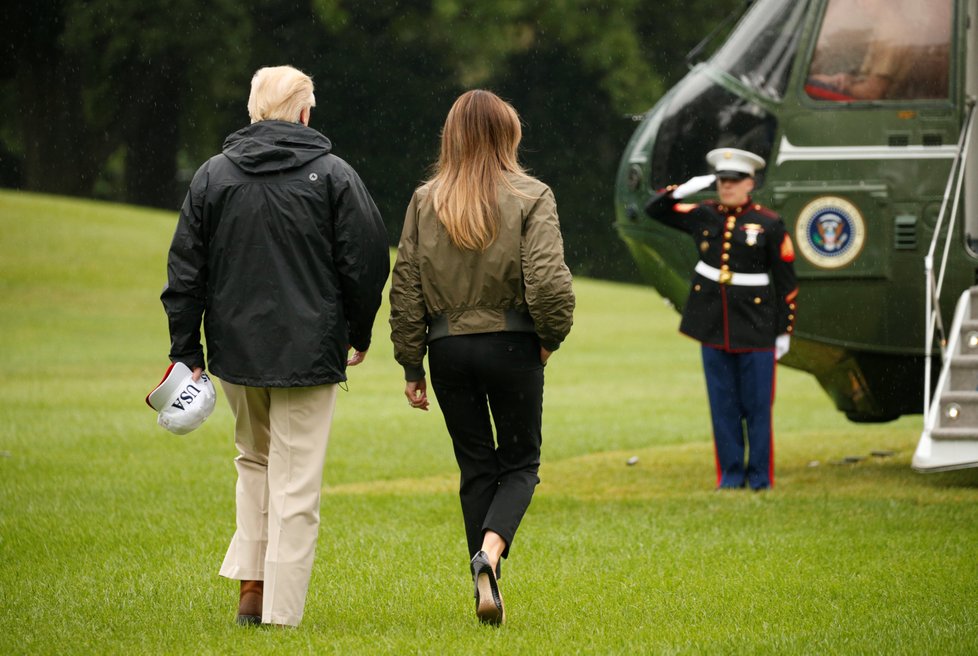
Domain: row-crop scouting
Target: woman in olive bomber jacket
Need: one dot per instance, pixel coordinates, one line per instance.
(480, 284)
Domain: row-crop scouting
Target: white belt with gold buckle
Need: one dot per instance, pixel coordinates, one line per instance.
(731, 277)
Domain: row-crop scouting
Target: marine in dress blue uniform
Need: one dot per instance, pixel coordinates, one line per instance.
(741, 308)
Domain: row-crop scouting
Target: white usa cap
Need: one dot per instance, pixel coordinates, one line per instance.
(736, 163)
(182, 402)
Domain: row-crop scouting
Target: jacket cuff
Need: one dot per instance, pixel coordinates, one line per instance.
(360, 342)
(193, 361)
(412, 373)
(550, 346)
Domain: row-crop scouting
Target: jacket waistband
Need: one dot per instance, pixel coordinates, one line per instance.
(731, 277)
(516, 321)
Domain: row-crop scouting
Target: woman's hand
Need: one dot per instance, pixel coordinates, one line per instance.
(544, 355)
(416, 392)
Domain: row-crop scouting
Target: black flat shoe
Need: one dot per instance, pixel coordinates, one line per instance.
(488, 601)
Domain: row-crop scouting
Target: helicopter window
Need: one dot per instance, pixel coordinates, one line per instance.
(882, 50)
(701, 116)
(760, 51)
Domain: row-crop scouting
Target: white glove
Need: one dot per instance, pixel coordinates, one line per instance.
(781, 344)
(694, 184)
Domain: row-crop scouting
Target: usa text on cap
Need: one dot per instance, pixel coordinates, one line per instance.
(182, 403)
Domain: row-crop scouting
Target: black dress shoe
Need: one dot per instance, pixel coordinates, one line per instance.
(488, 601)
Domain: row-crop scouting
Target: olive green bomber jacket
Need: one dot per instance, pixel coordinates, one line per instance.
(520, 282)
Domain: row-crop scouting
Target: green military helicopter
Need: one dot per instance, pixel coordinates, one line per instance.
(863, 110)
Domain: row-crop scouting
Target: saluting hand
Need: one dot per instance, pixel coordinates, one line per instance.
(694, 184)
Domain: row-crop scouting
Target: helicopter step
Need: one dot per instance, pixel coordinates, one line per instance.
(964, 373)
(958, 409)
(950, 436)
(954, 434)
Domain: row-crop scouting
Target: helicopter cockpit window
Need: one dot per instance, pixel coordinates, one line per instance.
(761, 49)
(703, 115)
(882, 50)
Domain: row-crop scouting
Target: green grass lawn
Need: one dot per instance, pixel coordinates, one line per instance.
(112, 530)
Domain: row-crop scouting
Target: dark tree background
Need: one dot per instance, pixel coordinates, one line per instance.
(123, 100)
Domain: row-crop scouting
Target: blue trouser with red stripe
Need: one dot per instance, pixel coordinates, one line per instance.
(741, 391)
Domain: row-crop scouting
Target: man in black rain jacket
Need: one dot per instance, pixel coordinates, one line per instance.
(280, 250)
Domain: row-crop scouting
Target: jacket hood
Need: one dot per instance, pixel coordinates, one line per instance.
(270, 146)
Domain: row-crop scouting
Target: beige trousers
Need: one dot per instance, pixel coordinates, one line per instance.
(281, 436)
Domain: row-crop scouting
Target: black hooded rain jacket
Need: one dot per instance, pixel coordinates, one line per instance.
(281, 250)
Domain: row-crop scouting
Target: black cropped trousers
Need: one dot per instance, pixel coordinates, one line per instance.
(484, 380)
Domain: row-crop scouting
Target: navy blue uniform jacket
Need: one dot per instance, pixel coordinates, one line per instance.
(746, 239)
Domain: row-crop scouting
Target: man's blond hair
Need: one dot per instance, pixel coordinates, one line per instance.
(280, 93)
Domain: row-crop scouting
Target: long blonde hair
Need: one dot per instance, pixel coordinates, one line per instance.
(478, 147)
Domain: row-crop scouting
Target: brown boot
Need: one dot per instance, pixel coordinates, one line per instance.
(249, 605)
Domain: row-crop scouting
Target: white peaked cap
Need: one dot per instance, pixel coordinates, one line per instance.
(733, 159)
(183, 404)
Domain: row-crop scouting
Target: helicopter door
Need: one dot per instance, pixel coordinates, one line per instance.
(869, 134)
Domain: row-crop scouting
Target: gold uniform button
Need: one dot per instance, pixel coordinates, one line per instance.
(706, 233)
(731, 218)
(696, 288)
(727, 235)
(725, 257)
(791, 317)
(790, 329)
(757, 300)
(724, 267)
(726, 246)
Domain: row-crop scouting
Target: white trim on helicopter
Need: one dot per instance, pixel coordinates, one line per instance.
(788, 152)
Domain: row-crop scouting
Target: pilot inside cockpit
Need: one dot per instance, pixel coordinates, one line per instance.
(882, 50)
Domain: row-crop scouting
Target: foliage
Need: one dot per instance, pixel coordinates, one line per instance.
(575, 71)
(112, 530)
(126, 99)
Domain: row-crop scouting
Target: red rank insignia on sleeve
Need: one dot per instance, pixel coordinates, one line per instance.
(787, 250)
